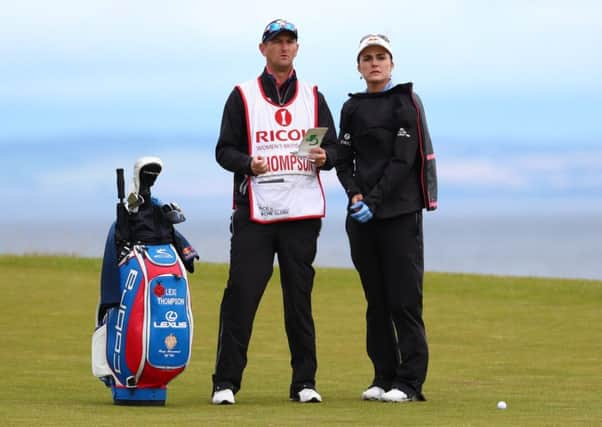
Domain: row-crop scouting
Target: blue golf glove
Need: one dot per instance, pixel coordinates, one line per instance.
(360, 212)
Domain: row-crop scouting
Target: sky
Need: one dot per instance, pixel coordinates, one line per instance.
(512, 93)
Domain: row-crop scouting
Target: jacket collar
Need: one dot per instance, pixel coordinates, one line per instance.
(399, 88)
(278, 94)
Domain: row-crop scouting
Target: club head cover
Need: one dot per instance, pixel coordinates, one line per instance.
(173, 213)
(146, 171)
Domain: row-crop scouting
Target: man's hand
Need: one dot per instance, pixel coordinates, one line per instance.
(259, 165)
(317, 155)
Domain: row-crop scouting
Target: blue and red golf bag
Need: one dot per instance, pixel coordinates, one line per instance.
(144, 331)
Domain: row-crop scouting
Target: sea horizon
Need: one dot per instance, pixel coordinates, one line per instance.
(555, 246)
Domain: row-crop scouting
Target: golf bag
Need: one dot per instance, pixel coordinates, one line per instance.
(144, 320)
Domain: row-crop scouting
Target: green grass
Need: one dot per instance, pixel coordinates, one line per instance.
(535, 343)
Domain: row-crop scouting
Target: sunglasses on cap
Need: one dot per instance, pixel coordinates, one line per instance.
(381, 36)
(277, 26)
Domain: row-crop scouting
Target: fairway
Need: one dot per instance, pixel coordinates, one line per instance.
(534, 343)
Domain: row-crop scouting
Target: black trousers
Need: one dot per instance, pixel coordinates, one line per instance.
(252, 250)
(388, 255)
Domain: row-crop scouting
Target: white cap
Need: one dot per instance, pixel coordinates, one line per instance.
(374, 40)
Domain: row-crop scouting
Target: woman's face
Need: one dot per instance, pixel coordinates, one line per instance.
(375, 65)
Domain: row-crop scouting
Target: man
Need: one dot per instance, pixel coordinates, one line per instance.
(279, 203)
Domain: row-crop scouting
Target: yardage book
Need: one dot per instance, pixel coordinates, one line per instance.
(313, 138)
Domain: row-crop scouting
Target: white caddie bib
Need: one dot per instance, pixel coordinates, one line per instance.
(291, 188)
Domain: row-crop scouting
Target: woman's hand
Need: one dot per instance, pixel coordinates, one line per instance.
(357, 198)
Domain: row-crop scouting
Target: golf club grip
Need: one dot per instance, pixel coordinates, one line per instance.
(120, 184)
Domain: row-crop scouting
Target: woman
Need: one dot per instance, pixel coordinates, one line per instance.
(387, 168)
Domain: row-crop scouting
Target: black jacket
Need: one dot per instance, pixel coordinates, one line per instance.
(232, 151)
(385, 152)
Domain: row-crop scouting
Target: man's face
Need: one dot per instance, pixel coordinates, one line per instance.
(280, 51)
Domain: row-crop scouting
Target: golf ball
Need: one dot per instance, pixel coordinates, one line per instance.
(501, 405)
